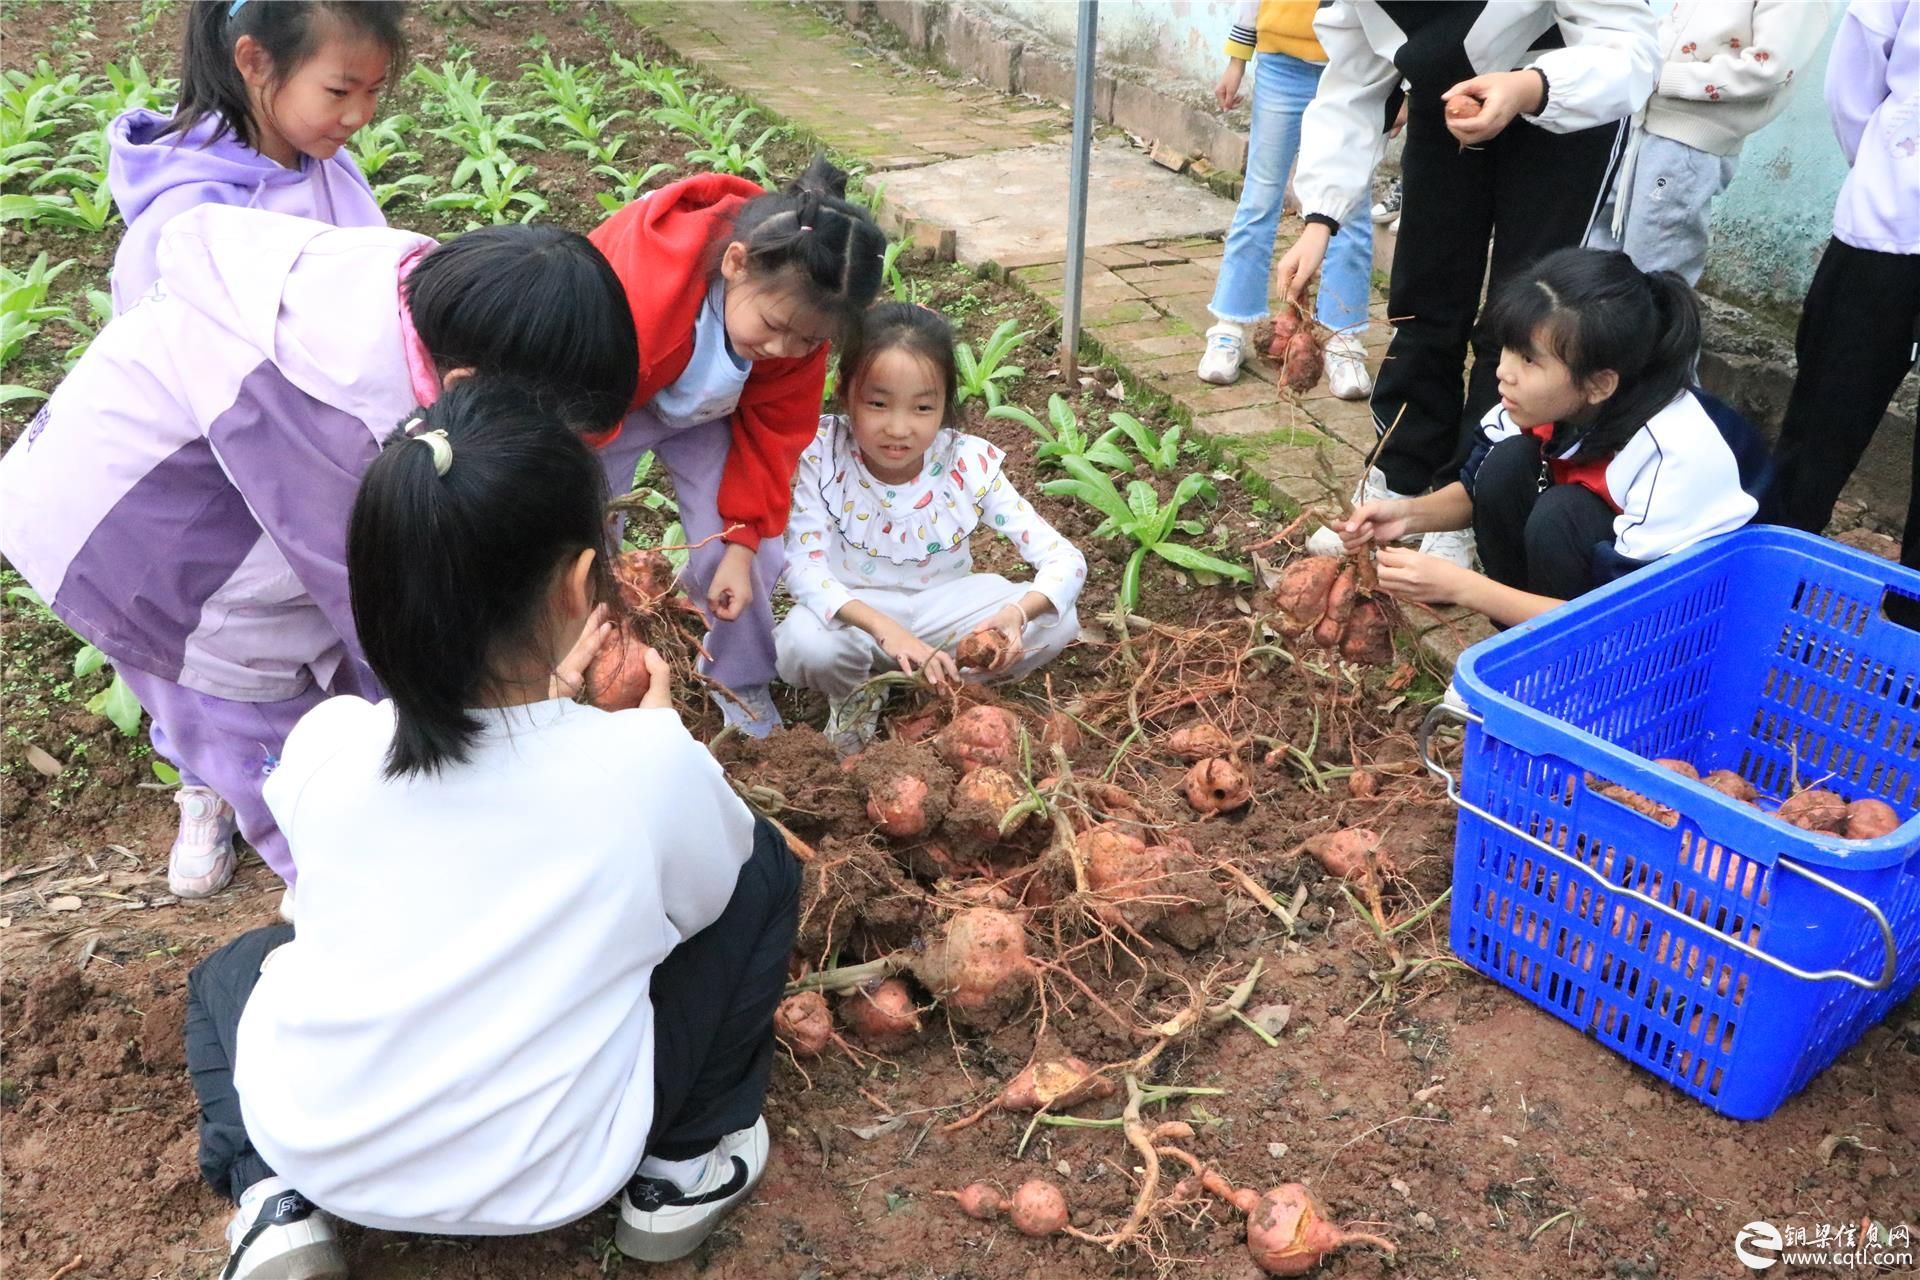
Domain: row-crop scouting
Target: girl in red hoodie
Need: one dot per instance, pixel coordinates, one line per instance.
(736, 293)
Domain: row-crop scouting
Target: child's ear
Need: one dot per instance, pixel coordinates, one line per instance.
(1601, 386)
(733, 263)
(576, 585)
(253, 63)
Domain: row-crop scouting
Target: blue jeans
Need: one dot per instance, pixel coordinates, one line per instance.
(1283, 85)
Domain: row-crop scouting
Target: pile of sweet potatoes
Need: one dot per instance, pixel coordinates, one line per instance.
(1319, 599)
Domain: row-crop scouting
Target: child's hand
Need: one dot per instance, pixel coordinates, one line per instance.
(1227, 92)
(1383, 521)
(1501, 95)
(1010, 622)
(1299, 264)
(571, 675)
(659, 681)
(731, 590)
(1411, 575)
(914, 654)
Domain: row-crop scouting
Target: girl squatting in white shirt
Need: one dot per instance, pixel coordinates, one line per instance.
(884, 507)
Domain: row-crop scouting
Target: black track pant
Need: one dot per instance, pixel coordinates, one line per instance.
(1534, 539)
(1856, 342)
(1521, 196)
(713, 1000)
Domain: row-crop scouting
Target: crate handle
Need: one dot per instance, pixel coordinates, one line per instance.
(1442, 712)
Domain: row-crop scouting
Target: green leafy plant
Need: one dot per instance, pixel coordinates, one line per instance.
(502, 187)
(386, 193)
(460, 95)
(573, 98)
(1158, 451)
(23, 303)
(724, 153)
(383, 142)
(626, 186)
(33, 106)
(903, 289)
(117, 701)
(980, 375)
(666, 84)
(1061, 436)
(129, 89)
(702, 117)
(1149, 523)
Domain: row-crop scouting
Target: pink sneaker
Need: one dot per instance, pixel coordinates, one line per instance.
(202, 859)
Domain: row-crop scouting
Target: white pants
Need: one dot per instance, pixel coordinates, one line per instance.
(837, 659)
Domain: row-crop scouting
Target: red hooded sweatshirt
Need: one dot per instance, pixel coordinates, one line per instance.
(663, 249)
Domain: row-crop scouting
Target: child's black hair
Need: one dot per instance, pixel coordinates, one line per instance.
(910, 327)
(534, 302)
(817, 242)
(1594, 310)
(288, 31)
(450, 575)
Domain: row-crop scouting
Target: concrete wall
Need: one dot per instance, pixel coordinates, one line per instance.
(1185, 38)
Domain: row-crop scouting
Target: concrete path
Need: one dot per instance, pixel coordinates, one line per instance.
(992, 168)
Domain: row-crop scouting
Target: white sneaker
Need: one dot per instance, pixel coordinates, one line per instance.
(1324, 541)
(1387, 208)
(758, 718)
(1456, 546)
(202, 859)
(661, 1221)
(286, 904)
(1347, 374)
(1226, 343)
(1393, 228)
(277, 1234)
(854, 721)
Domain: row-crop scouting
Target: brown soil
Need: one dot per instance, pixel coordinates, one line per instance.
(1484, 1136)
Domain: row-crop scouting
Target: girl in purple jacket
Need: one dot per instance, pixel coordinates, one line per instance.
(181, 501)
(270, 91)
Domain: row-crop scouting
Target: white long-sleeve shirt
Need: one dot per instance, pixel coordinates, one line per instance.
(1873, 96)
(1727, 68)
(849, 531)
(459, 1038)
(1602, 74)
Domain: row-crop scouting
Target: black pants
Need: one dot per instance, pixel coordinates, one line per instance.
(1525, 193)
(713, 999)
(1534, 539)
(1856, 341)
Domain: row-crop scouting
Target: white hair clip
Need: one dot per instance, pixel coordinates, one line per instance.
(441, 448)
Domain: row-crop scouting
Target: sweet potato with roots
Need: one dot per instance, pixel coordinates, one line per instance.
(1729, 783)
(1199, 740)
(1348, 854)
(977, 1200)
(1218, 785)
(881, 1014)
(1288, 1233)
(1870, 819)
(981, 802)
(1368, 638)
(617, 678)
(982, 650)
(1038, 1208)
(1304, 360)
(1054, 1085)
(979, 968)
(1815, 810)
(907, 789)
(804, 1024)
(898, 807)
(980, 736)
(1300, 597)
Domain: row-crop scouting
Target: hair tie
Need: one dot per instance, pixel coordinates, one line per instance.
(437, 444)
(234, 8)
(805, 227)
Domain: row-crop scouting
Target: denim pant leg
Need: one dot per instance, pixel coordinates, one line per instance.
(1282, 88)
(1346, 277)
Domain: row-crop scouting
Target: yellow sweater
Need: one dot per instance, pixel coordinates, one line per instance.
(1275, 26)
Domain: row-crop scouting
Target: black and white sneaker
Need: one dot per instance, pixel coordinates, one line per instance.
(277, 1234)
(659, 1221)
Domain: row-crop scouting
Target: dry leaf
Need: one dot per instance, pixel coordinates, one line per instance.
(1118, 390)
(867, 1133)
(1271, 1018)
(43, 762)
(1833, 1142)
(65, 902)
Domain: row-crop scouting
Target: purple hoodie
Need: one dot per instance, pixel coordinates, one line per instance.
(1873, 96)
(153, 178)
(181, 501)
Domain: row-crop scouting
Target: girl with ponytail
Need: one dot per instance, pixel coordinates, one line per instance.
(737, 294)
(573, 898)
(270, 91)
(1602, 455)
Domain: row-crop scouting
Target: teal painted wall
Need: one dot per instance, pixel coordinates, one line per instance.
(1769, 226)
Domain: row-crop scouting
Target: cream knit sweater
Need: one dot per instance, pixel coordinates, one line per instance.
(1727, 67)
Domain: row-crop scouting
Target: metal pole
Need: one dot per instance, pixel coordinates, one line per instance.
(1080, 161)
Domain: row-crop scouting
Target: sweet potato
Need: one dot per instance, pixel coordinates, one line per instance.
(643, 577)
(617, 678)
(1729, 783)
(1463, 107)
(979, 969)
(1117, 863)
(803, 1023)
(1635, 801)
(1056, 1084)
(977, 1200)
(981, 800)
(898, 806)
(882, 1014)
(1300, 597)
(1345, 853)
(982, 735)
(1815, 810)
(1218, 785)
(982, 650)
(1680, 767)
(1871, 819)
(1199, 740)
(1304, 361)
(1288, 1233)
(1287, 321)
(1063, 731)
(1368, 638)
(1038, 1208)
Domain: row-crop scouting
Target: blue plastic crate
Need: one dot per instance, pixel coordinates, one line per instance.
(1730, 954)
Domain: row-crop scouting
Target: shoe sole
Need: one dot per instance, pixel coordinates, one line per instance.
(322, 1260)
(201, 886)
(671, 1246)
